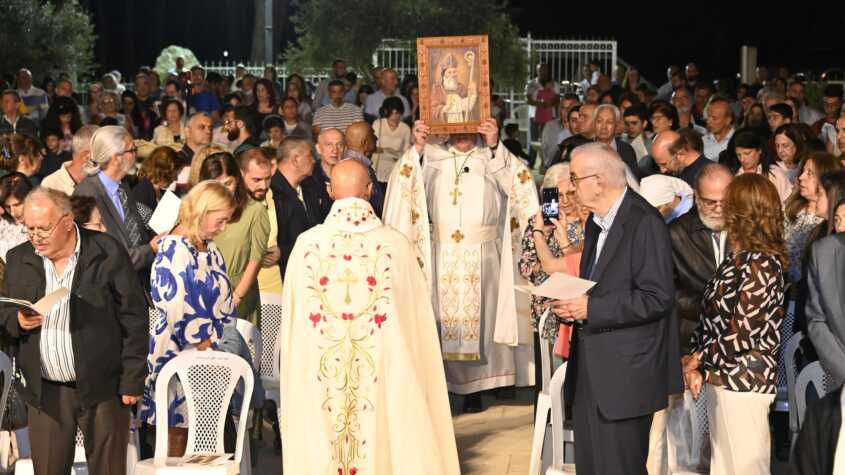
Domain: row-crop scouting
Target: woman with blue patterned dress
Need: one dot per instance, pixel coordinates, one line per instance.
(190, 291)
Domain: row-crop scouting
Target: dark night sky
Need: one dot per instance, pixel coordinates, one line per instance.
(132, 32)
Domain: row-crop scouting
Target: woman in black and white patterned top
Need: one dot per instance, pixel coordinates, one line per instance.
(735, 347)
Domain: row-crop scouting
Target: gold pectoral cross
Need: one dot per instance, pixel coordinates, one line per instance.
(456, 193)
(347, 279)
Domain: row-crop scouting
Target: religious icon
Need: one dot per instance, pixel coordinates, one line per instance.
(454, 82)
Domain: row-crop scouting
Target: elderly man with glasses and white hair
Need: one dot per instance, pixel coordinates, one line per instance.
(83, 361)
(625, 355)
(608, 119)
(112, 158)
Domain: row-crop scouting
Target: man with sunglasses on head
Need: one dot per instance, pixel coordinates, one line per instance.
(83, 361)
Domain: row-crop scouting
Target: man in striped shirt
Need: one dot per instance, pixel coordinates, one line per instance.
(337, 114)
(83, 363)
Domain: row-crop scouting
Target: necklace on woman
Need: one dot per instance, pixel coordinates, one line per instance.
(456, 192)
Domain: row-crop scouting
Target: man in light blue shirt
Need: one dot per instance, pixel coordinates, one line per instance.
(388, 79)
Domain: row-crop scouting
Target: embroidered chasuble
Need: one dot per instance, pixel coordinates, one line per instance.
(363, 384)
(461, 211)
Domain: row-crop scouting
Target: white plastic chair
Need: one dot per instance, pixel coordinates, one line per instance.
(550, 394)
(252, 338)
(790, 350)
(208, 379)
(271, 323)
(561, 435)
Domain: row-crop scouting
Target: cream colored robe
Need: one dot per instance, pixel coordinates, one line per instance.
(468, 245)
(363, 387)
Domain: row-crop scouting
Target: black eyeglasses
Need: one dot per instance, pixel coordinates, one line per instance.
(575, 178)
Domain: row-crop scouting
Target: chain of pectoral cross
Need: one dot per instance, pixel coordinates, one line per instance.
(456, 192)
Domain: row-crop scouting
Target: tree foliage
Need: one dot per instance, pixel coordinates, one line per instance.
(353, 30)
(44, 37)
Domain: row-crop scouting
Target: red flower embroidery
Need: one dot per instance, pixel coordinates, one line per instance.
(324, 280)
(371, 281)
(315, 318)
(353, 471)
(356, 223)
(347, 257)
(380, 319)
(347, 316)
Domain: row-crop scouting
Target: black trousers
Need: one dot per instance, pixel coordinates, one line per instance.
(602, 446)
(52, 432)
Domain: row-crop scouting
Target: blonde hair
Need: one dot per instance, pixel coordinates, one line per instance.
(206, 197)
(199, 157)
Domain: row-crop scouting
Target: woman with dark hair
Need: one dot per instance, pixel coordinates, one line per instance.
(790, 149)
(157, 173)
(297, 89)
(567, 146)
(49, 86)
(21, 153)
(363, 92)
(663, 116)
(171, 130)
(63, 115)
(735, 346)
(244, 240)
(394, 137)
(265, 99)
(132, 111)
(748, 152)
(755, 119)
(86, 214)
(295, 126)
(13, 190)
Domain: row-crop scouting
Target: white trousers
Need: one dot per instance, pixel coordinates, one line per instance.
(739, 431)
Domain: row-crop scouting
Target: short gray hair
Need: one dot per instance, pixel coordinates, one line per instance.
(82, 139)
(106, 142)
(197, 115)
(603, 160)
(617, 114)
(59, 199)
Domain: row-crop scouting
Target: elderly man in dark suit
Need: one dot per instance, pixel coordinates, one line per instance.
(84, 362)
(112, 158)
(607, 119)
(625, 352)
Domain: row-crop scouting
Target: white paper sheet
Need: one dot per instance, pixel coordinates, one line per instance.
(562, 286)
(166, 213)
(43, 306)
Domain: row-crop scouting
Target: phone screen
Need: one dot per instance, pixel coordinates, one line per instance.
(551, 205)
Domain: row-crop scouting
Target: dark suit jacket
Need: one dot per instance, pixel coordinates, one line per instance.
(142, 254)
(825, 303)
(629, 156)
(695, 265)
(292, 217)
(108, 320)
(815, 449)
(630, 336)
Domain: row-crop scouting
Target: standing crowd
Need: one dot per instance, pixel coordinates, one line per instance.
(708, 216)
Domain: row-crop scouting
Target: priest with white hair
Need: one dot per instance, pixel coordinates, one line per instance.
(465, 205)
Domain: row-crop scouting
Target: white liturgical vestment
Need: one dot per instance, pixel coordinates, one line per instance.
(363, 385)
(465, 212)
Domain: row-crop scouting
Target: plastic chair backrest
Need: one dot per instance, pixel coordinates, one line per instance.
(789, 352)
(208, 379)
(811, 374)
(252, 337)
(271, 322)
(556, 392)
(155, 320)
(545, 352)
(6, 374)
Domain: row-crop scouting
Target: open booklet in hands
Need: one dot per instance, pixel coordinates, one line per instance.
(43, 306)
